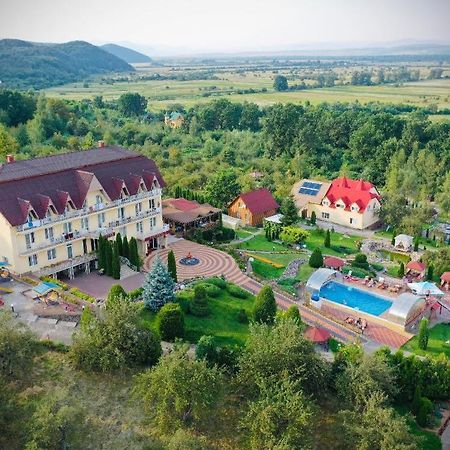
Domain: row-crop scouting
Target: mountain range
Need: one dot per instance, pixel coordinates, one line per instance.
(126, 54)
(26, 64)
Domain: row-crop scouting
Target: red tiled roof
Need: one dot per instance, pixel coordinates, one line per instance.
(417, 266)
(182, 204)
(259, 201)
(332, 261)
(445, 277)
(351, 191)
(60, 178)
(317, 335)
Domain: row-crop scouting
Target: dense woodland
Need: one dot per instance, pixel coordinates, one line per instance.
(37, 65)
(404, 153)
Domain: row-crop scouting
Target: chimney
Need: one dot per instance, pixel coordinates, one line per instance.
(100, 144)
(9, 158)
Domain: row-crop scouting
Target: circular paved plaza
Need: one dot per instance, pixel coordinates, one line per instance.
(212, 261)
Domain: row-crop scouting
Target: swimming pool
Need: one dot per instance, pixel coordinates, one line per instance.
(355, 298)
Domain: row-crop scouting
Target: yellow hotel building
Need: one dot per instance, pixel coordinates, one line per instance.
(53, 209)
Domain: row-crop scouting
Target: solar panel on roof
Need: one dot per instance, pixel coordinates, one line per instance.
(310, 188)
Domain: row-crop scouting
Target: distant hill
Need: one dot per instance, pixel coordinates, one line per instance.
(127, 54)
(36, 65)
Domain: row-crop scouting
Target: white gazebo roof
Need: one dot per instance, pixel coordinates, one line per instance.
(320, 277)
(425, 288)
(404, 239)
(274, 219)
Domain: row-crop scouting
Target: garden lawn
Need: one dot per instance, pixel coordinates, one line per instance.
(439, 334)
(242, 234)
(341, 245)
(304, 272)
(266, 270)
(260, 243)
(221, 321)
(395, 256)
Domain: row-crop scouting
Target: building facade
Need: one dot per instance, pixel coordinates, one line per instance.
(349, 203)
(53, 209)
(251, 208)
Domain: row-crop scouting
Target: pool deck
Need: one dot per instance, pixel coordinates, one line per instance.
(378, 329)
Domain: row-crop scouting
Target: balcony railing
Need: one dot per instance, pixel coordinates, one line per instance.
(143, 236)
(68, 264)
(94, 234)
(89, 210)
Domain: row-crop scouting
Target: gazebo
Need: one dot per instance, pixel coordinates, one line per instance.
(416, 268)
(445, 281)
(5, 274)
(425, 288)
(333, 263)
(404, 242)
(317, 335)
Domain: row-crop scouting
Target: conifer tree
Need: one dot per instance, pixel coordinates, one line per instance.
(423, 334)
(172, 266)
(108, 258)
(125, 248)
(115, 261)
(158, 286)
(265, 306)
(101, 252)
(401, 270)
(316, 258)
(327, 241)
(289, 211)
(119, 244)
(134, 254)
(313, 218)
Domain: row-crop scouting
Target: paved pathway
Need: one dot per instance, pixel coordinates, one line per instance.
(215, 262)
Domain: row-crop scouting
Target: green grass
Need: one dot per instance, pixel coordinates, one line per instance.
(341, 245)
(304, 272)
(428, 439)
(241, 233)
(260, 243)
(392, 271)
(439, 334)
(267, 271)
(162, 93)
(394, 256)
(221, 321)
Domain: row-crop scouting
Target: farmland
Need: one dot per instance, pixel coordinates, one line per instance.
(166, 86)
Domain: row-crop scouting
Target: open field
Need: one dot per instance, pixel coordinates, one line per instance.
(163, 93)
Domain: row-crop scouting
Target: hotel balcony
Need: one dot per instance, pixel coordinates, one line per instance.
(88, 210)
(93, 234)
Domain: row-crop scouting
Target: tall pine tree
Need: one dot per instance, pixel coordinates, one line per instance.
(125, 248)
(119, 244)
(158, 286)
(115, 261)
(289, 211)
(108, 258)
(172, 266)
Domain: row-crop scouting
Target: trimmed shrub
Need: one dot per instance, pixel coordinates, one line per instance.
(242, 316)
(170, 322)
(316, 259)
(199, 304)
(136, 294)
(265, 307)
(212, 290)
(219, 282)
(361, 261)
(424, 413)
(237, 292)
(293, 313)
(424, 334)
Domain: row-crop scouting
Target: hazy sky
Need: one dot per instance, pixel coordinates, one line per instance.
(226, 25)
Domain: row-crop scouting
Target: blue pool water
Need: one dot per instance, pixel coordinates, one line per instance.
(355, 298)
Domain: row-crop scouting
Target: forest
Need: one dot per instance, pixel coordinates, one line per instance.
(397, 147)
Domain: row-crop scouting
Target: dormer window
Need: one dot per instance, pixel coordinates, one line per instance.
(32, 216)
(98, 199)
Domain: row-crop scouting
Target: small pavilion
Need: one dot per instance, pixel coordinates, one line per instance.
(317, 335)
(425, 288)
(182, 215)
(333, 263)
(445, 281)
(404, 242)
(416, 269)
